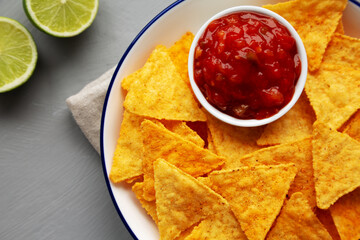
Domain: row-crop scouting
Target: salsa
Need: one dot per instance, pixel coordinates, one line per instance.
(247, 65)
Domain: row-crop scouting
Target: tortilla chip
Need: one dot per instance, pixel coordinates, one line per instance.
(353, 127)
(222, 225)
(299, 153)
(149, 206)
(159, 92)
(179, 53)
(184, 131)
(158, 142)
(334, 93)
(327, 221)
(346, 215)
(128, 80)
(255, 194)
(294, 125)
(315, 21)
(336, 161)
(297, 221)
(127, 160)
(340, 28)
(343, 51)
(233, 142)
(181, 201)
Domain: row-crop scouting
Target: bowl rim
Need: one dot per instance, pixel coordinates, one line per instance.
(299, 85)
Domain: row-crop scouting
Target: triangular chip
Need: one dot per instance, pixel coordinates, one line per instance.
(181, 201)
(293, 126)
(334, 93)
(336, 160)
(128, 80)
(299, 153)
(255, 194)
(179, 53)
(159, 92)
(127, 160)
(343, 50)
(222, 225)
(297, 221)
(353, 127)
(315, 21)
(233, 142)
(346, 215)
(158, 142)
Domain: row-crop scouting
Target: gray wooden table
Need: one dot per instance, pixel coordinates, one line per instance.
(51, 180)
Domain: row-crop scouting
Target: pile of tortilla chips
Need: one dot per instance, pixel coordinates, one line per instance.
(296, 178)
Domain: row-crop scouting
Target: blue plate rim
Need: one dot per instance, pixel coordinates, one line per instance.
(138, 36)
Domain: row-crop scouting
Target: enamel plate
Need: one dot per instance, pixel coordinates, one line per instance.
(167, 27)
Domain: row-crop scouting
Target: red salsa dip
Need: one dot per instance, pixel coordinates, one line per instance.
(247, 65)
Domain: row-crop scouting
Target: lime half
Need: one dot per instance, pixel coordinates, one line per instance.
(18, 54)
(61, 18)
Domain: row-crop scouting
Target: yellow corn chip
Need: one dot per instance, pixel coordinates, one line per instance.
(336, 161)
(334, 93)
(159, 142)
(222, 225)
(233, 142)
(315, 21)
(343, 51)
(255, 194)
(293, 126)
(181, 201)
(128, 80)
(179, 53)
(346, 214)
(297, 221)
(299, 153)
(353, 127)
(327, 221)
(159, 92)
(149, 206)
(127, 160)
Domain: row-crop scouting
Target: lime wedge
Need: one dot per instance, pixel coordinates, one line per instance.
(61, 18)
(18, 54)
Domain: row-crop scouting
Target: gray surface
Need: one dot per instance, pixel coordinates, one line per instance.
(51, 179)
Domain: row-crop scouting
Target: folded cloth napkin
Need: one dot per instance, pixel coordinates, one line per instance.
(86, 107)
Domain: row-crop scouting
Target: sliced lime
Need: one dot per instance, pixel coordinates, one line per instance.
(18, 54)
(61, 18)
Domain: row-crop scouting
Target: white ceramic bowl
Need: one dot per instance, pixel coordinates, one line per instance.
(299, 85)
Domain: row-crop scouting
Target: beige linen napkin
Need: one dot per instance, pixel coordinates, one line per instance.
(86, 107)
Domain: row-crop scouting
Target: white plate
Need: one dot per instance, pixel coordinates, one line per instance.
(165, 28)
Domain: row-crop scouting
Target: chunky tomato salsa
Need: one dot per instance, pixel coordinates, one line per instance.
(246, 65)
